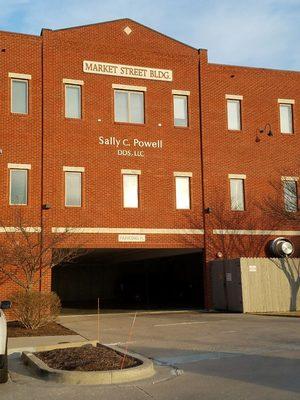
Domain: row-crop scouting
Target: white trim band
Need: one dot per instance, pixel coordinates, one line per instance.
(254, 232)
(290, 178)
(131, 172)
(286, 101)
(73, 82)
(73, 169)
(18, 166)
(236, 176)
(233, 97)
(189, 174)
(129, 87)
(13, 229)
(128, 231)
(181, 92)
(19, 76)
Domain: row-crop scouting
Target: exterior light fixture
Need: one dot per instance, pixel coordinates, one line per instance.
(267, 130)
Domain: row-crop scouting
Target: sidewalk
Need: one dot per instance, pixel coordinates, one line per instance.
(19, 344)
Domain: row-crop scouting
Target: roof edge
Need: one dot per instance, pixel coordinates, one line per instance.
(256, 68)
(20, 34)
(124, 19)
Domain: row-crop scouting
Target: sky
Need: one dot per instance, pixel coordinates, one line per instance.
(263, 33)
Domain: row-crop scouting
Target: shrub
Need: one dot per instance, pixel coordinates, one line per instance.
(35, 309)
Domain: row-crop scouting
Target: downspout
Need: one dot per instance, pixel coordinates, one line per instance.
(204, 215)
(42, 162)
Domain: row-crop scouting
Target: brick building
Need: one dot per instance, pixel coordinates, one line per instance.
(147, 153)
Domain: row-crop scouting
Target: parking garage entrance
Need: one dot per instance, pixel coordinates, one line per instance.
(132, 279)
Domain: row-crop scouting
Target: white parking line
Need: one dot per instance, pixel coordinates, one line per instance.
(119, 343)
(191, 358)
(182, 323)
(139, 313)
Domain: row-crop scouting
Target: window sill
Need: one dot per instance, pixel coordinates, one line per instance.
(20, 114)
(73, 119)
(129, 123)
(235, 130)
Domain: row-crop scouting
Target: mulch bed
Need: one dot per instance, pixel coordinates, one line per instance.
(15, 329)
(86, 358)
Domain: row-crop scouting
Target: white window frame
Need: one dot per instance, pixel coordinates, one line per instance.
(240, 177)
(22, 167)
(180, 94)
(187, 176)
(19, 79)
(129, 91)
(288, 104)
(78, 84)
(76, 170)
(294, 179)
(128, 172)
(238, 100)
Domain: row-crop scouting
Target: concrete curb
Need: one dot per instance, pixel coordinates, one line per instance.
(30, 343)
(145, 370)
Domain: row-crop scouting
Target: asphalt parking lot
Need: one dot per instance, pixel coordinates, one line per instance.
(197, 355)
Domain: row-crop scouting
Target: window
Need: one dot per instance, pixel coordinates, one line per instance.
(73, 101)
(290, 195)
(286, 118)
(19, 96)
(73, 188)
(130, 190)
(129, 106)
(18, 187)
(237, 194)
(234, 114)
(180, 105)
(183, 195)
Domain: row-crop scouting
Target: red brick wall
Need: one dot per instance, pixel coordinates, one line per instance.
(20, 135)
(237, 152)
(75, 142)
(59, 54)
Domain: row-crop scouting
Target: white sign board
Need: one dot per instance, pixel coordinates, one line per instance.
(228, 277)
(131, 238)
(252, 268)
(129, 71)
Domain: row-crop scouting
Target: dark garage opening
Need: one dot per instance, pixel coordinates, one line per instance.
(132, 279)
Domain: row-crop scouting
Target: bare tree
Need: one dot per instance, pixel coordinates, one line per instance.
(226, 226)
(28, 254)
(283, 206)
(278, 210)
(283, 202)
